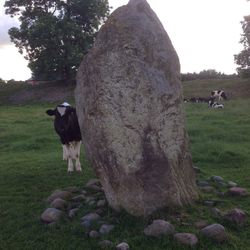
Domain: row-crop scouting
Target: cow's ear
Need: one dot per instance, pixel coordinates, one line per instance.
(50, 112)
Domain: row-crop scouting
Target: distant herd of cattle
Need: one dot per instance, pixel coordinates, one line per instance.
(211, 100)
(67, 127)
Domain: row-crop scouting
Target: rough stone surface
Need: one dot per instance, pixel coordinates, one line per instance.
(73, 212)
(129, 106)
(105, 229)
(65, 195)
(95, 188)
(122, 246)
(159, 228)
(89, 199)
(94, 234)
(86, 224)
(215, 232)
(200, 224)
(217, 178)
(232, 184)
(91, 217)
(216, 212)
(236, 216)
(238, 191)
(105, 244)
(101, 203)
(92, 182)
(80, 197)
(100, 211)
(186, 239)
(91, 203)
(84, 192)
(51, 215)
(59, 203)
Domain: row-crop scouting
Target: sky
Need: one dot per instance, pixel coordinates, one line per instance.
(205, 34)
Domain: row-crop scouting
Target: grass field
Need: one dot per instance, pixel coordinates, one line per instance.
(31, 167)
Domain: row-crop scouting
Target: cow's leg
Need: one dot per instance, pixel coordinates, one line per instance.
(65, 153)
(77, 155)
(69, 157)
(74, 153)
(70, 165)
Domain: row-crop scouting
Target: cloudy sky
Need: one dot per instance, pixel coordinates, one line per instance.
(205, 34)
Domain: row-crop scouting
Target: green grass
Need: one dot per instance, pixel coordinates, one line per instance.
(31, 167)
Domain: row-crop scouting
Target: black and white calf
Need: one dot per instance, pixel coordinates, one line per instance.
(220, 94)
(67, 127)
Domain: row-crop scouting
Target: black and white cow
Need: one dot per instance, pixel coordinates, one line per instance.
(220, 94)
(67, 127)
(215, 105)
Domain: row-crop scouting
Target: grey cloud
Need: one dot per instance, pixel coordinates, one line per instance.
(6, 23)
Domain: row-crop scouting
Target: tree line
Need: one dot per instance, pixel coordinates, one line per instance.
(243, 58)
(54, 35)
(206, 75)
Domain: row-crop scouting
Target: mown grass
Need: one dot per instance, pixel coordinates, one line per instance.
(31, 167)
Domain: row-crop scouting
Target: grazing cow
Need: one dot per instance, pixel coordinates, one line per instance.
(67, 127)
(220, 94)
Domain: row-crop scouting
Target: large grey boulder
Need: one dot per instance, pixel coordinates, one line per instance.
(215, 232)
(129, 106)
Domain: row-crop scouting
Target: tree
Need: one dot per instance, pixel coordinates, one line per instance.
(2, 81)
(243, 58)
(55, 34)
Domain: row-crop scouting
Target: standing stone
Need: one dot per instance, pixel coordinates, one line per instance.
(129, 106)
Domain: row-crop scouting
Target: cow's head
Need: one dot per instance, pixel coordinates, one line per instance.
(62, 115)
(61, 110)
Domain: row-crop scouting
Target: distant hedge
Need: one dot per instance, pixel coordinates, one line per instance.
(206, 74)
